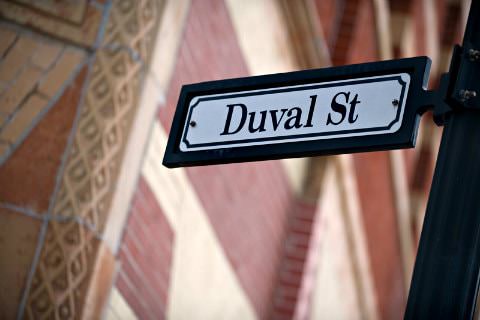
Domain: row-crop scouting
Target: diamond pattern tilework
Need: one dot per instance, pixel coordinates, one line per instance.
(58, 284)
(94, 158)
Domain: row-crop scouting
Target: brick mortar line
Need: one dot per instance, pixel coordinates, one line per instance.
(106, 8)
(45, 217)
(49, 36)
(28, 64)
(103, 25)
(7, 51)
(31, 273)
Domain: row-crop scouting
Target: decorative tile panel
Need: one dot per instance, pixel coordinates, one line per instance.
(63, 276)
(58, 286)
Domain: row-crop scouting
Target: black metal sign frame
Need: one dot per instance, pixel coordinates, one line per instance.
(418, 68)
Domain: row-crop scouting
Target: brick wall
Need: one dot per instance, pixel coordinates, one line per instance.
(145, 256)
(296, 248)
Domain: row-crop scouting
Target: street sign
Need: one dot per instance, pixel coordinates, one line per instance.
(364, 107)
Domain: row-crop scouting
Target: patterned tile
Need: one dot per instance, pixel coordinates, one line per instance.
(65, 262)
(94, 158)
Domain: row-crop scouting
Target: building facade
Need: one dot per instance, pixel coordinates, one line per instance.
(93, 226)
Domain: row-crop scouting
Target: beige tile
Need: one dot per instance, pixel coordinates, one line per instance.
(24, 83)
(73, 264)
(18, 241)
(3, 119)
(72, 11)
(3, 87)
(46, 54)
(16, 58)
(4, 148)
(60, 73)
(23, 118)
(7, 36)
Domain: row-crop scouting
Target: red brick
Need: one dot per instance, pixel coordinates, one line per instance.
(143, 287)
(282, 315)
(362, 46)
(291, 278)
(293, 265)
(157, 276)
(136, 302)
(419, 26)
(145, 256)
(380, 223)
(329, 13)
(287, 292)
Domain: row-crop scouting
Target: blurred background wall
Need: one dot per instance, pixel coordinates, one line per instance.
(93, 226)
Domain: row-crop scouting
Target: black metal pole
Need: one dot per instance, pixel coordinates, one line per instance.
(446, 273)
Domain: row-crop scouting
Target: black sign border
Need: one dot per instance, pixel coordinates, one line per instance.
(418, 68)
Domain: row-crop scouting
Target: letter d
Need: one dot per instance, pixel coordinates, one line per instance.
(229, 118)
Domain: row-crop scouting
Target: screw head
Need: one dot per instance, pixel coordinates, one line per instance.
(467, 94)
(474, 55)
(395, 102)
(193, 123)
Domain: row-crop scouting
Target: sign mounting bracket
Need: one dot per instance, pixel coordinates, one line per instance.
(457, 91)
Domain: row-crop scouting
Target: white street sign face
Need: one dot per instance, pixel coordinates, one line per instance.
(315, 111)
